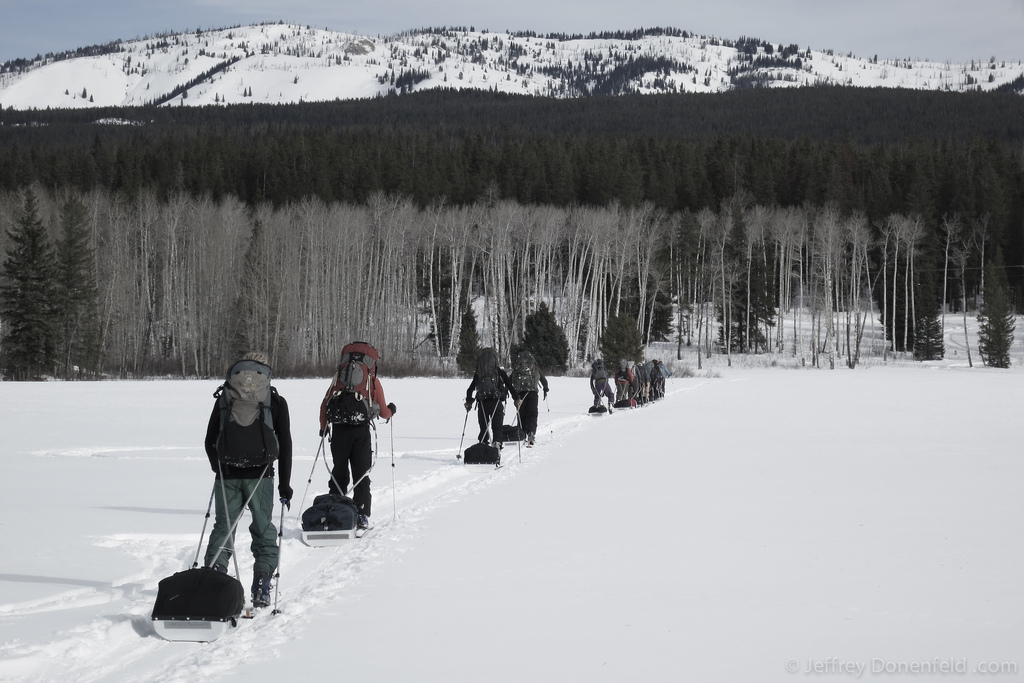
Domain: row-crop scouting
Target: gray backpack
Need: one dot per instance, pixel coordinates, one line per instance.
(247, 437)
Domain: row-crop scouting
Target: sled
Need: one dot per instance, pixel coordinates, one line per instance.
(330, 521)
(481, 457)
(197, 605)
(598, 410)
(323, 539)
(193, 630)
(513, 433)
(624, 403)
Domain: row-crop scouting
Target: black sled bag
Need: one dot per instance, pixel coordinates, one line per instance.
(624, 403)
(481, 454)
(513, 433)
(199, 594)
(330, 512)
(598, 409)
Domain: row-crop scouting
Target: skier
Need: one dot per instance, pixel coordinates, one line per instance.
(255, 484)
(625, 384)
(658, 374)
(354, 399)
(525, 378)
(492, 388)
(599, 384)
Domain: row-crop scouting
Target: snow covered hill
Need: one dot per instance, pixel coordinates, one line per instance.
(760, 525)
(285, 63)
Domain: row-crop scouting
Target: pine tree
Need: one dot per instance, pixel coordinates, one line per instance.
(77, 307)
(995, 317)
(546, 340)
(621, 339)
(469, 343)
(27, 298)
(928, 342)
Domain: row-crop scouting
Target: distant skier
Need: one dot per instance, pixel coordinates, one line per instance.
(659, 372)
(248, 429)
(599, 384)
(354, 399)
(525, 378)
(492, 387)
(625, 383)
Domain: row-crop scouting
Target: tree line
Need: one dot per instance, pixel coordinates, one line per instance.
(112, 285)
(296, 228)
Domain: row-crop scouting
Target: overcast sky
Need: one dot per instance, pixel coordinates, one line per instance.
(940, 30)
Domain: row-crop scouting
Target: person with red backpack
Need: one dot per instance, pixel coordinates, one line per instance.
(625, 384)
(354, 399)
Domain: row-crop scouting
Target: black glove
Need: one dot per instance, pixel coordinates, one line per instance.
(286, 495)
(392, 408)
(469, 404)
(545, 394)
(325, 431)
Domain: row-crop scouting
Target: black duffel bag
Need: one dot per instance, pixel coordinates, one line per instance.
(330, 512)
(513, 433)
(199, 594)
(481, 454)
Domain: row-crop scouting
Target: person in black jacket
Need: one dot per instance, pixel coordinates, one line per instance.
(492, 388)
(236, 485)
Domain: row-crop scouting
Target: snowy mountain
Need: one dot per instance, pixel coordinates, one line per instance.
(285, 63)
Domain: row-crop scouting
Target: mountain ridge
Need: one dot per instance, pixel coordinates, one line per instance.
(281, 63)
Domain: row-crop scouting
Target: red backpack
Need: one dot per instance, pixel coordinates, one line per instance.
(352, 401)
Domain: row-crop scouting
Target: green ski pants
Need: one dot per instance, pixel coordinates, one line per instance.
(264, 533)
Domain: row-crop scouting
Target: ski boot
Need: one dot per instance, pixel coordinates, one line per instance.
(261, 589)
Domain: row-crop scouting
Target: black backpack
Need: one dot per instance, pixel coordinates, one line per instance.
(247, 437)
(353, 404)
(525, 375)
(598, 372)
(488, 383)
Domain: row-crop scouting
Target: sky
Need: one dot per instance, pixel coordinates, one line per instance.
(938, 30)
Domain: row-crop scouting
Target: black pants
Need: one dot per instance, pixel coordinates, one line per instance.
(528, 412)
(494, 409)
(351, 448)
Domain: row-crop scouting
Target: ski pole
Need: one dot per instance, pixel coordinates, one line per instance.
(231, 531)
(394, 496)
(310, 479)
(195, 563)
(458, 453)
(551, 427)
(280, 539)
(519, 425)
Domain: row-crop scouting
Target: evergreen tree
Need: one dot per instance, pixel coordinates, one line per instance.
(928, 342)
(27, 297)
(546, 340)
(621, 339)
(76, 293)
(995, 317)
(469, 343)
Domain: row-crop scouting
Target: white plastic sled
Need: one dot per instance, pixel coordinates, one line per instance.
(322, 539)
(193, 630)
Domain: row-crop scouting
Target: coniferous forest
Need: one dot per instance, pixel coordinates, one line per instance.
(166, 240)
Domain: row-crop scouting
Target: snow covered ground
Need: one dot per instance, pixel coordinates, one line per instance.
(758, 525)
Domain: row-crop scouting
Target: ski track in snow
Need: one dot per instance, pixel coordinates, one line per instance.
(122, 453)
(121, 643)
